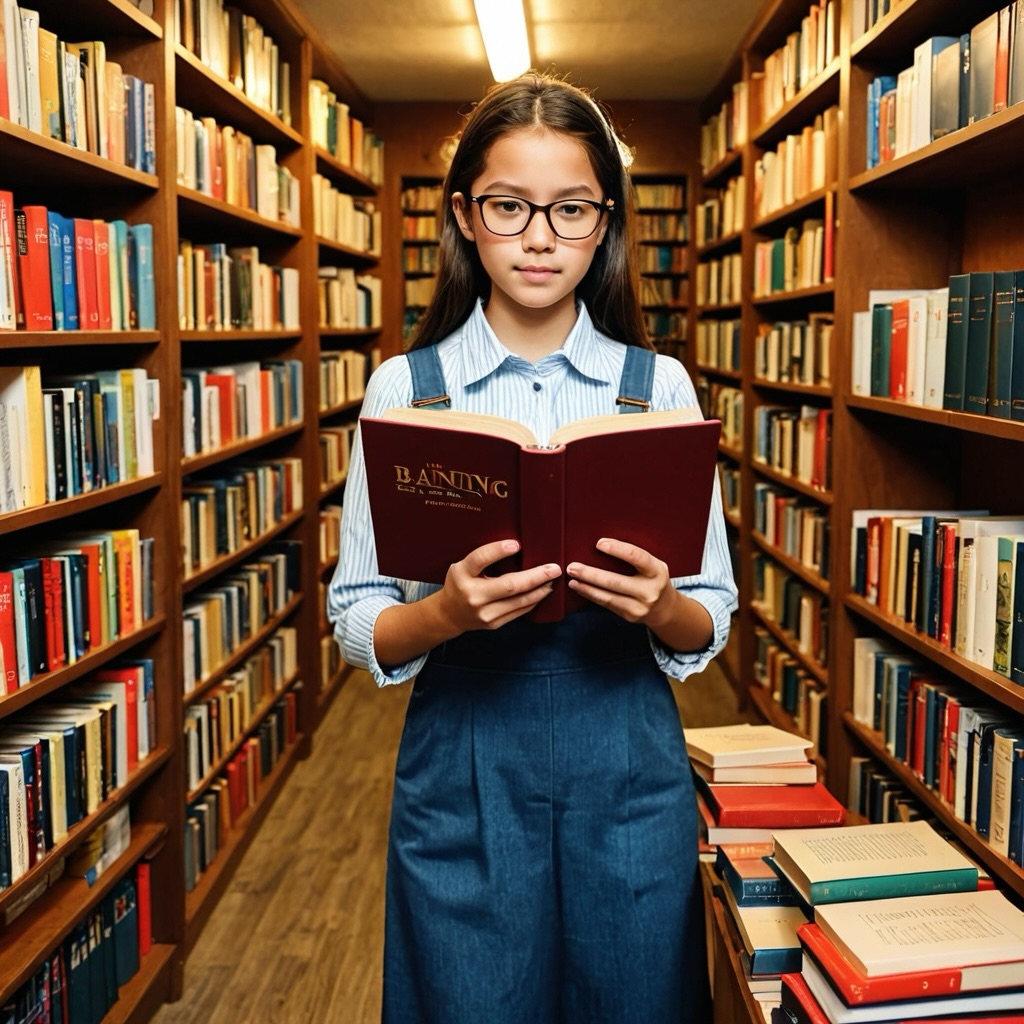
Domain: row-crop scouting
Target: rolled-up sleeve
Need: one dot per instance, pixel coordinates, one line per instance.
(358, 593)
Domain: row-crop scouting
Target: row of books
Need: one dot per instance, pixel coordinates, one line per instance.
(423, 259)
(229, 403)
(804, 55)
(661, 259)
(865, 14)
(218, 619)
(70, 92)
(420, 291)
(718, 344)
(795, 351)
(224, 714)
(796, 442)
(79, 982)
(660, 195)
(729, 477)
(63, 273)
(227, 164)
(721, 214)
(798, 609)
(60, 761)
(70, 597)
(346, 299)
(343, 377)
(786, 682)
(330, 538)
(420, 229)
(960, 347)
(795, 525)
(339, 217)
(335, 452)
(723, 402)
(223, 288)
(420, 197)
(953, 82)
(799, 165)
(75, 434)
(337, 130)
(726, 129)
(223, 512)
(719, 281)
(662, 324)
(661, 291)
(955, 576)
(965, 750)
(663, 227)
(802, 258)
(209, 819)
(238, 49)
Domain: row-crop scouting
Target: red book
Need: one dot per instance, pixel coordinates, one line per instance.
(856, 988)
(33, 239)
(739, 806)
(796, 997)
(9, 257)
(898, 349)
(227, 388)
(917, 708)
(101, 252)
(9, 680)
(53, 602)
(464, 479)
(947, 581)
(144, 899)
(85, 271)
(950, 732)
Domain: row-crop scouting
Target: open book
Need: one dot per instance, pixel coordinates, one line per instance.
(442, 483)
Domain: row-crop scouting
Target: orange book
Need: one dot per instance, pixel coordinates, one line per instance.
(226, 385)
(948, 534)
(53, 602)
(1002, 64)
(33, 241)
(128, 603)
(898, 349)
(85, 270)
(101, 252)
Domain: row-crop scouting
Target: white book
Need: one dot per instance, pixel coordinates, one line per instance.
(1004, 742)
(916, 347)
(935, 348)
(16, 88)
(55, 745)
(17, 806)
(745, 744)
(895, 859)
(765, 928)
(986, 588)
(93, 695)
(143, 423)
(31, 99)
(860, 348)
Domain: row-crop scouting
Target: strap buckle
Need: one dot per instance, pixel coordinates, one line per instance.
(633, 401)
(417, 403)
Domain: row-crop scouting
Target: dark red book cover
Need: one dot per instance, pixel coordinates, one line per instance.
(143, 894)
(1002, 64)
(85, 271)
(739, 806)
(947, 581)
(7, 634)
(101, 250)
(33, 240)
(53, 602)
(950, 747)
(898, 349)
(438, 489)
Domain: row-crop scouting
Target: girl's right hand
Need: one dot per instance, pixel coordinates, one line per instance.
(471, 600)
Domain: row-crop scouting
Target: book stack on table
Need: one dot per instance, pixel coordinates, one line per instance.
(752, 781)
(897, 931)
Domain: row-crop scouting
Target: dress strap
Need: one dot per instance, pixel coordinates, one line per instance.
(428, 386)
(637, 380)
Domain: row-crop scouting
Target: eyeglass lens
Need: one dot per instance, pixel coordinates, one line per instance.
(509, 215)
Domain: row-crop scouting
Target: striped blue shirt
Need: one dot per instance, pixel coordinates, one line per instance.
(482, 375)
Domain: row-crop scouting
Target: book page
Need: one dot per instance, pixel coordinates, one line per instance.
(616, 422)
(457, 419)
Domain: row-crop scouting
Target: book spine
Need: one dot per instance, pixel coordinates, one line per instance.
(882, 887)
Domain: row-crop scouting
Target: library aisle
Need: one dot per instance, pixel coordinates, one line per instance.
(297, 936)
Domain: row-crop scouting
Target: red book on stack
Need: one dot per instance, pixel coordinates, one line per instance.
(774, 806)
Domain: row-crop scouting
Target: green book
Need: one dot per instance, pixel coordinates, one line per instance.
(979, 342)
(881, 344)
(956, 342)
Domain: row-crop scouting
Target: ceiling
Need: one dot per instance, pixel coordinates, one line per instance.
(619, 49)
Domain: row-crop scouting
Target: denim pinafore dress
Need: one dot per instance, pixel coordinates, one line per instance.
(542, 861)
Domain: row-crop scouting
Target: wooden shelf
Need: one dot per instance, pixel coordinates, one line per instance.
(728, 450)
(896, 34)
(789, 642)
(731, 161)
(824, 497)
(792, 211)
(1000, 867)
(717, 371)
(816, 291)
(732, 308)
(821, 92)
(355, 182)
(719, 244)
(807, 390)
(992, 426)
(243, 651)
(985, 681)
(243, 335)
(102, 19)
(793, 565)
(215, 214)
(355, 333)
(194, 463)
(75, 339)
(333, 487)
(342, 407)
(775, 714)
(54, 510)
(326, 696)
(357, 255)
(732, 519)
(33, 936)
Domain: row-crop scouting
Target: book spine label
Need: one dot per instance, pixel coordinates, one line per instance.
(882, 887)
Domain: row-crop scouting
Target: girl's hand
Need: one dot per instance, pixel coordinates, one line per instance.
(648, 597)
(471, 600)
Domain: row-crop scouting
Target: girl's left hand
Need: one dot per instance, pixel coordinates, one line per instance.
(648, 597)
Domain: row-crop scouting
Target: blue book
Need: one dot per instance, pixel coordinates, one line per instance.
(68, 272)
(142, 315)
(876, 90)
(126, 930)
(1001, 347)
(56, 268)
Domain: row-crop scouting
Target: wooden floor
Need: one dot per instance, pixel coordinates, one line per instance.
(297, 936)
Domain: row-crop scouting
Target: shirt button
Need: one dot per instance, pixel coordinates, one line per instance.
(536, 385)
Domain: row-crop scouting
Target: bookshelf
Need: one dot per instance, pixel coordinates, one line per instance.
(421, 224)
(276, 673)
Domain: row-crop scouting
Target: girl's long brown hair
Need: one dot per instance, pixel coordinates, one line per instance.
(611, 288)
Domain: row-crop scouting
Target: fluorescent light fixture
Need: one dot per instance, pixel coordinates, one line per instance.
(503, 27)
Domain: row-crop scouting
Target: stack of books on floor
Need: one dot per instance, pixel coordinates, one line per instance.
(752, 781)
(897, 930)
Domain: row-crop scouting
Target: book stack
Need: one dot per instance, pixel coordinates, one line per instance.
(751, 781)
(898, 930)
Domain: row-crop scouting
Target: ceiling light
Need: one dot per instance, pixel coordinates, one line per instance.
(503, 27)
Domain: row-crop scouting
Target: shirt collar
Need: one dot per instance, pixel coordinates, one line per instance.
(585, 349)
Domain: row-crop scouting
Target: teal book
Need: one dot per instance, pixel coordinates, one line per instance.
(56, 269)
(979, 342)
(956, 342)
(142, 316)
(126, 930)
(1000, 358)
(1017, 352)
(881, 345)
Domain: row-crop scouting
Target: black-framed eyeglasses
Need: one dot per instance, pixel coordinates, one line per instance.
(571, 219)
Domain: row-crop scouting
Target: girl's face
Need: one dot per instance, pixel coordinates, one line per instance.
(534, 270)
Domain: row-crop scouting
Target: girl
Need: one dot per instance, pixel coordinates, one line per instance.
(543, 850)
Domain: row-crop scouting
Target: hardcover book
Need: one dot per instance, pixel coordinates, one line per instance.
(745, 744)
(836, 865)
(443, 483)
(775, 806)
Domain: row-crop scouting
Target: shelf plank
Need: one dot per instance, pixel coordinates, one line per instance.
(793, 210)
(333, 487)
(789, 641)
(51, 682)
(194, 463)
(718, 371)
(824, 497)
(30, 158)
(326, 696)
(991, 426)
(719, 244)
(244, 335)
(240, 653)
(999, 866)
(808, 390)
(327, 332)
(75, 339)
(820, 92)
(66, 507)
(794, 565)
(733, 308)
(337, 410)
(358, 255)
(990, 683)
(896, 34)
(198, 206)
(99, 20)
(355, 182)
(815, 291)
(32, 937)
(719, 170)
(736, 454)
